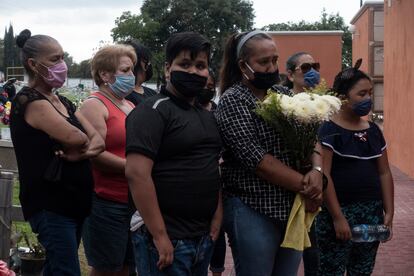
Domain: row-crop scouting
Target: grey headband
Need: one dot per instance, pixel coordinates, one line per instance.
(246, 38)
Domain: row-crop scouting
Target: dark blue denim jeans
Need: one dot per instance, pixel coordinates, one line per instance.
(106, 236)
(311, 260)
(191, 257)
(60, 236)
(255, 242)
(219, 254)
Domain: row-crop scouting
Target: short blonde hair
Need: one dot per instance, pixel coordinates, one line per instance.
(107, 59)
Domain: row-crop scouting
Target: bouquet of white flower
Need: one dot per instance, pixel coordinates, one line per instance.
(298, 118)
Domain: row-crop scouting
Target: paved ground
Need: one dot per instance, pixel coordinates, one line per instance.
(396, 257)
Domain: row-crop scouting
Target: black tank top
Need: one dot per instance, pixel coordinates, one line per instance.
(71, 194)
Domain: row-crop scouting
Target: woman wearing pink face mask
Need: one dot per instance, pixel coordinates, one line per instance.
(53, 143)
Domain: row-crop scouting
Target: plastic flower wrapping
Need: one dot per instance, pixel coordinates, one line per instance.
(297, 118)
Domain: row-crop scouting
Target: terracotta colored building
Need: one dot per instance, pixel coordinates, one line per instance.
(399, 82)
(368, 43)
(324, 46)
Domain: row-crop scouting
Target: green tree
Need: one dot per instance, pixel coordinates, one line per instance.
(77, 70)
(72, 66)
(326, 22)
(1, 55)
(84, 71)
(215, 19)
(11, 53)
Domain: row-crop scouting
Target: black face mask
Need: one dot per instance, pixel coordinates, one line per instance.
(148, 72)
(206, 95)
(264, 80)
(189, 85)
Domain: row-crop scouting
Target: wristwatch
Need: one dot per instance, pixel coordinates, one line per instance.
(324, 178)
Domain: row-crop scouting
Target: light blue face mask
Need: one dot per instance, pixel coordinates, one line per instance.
(123, 85)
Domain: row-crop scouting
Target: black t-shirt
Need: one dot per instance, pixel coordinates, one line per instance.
(71, 195)
(137, 98)
(184, 142)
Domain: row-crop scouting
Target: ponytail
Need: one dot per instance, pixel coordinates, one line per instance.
(230, 72)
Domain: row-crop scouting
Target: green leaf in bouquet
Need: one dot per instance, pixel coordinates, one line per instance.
(321, 89)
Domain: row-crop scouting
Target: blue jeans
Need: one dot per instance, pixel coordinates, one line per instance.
(219, 254)
(191, 257)
(60, 236)
(311, 260)
(255, 242)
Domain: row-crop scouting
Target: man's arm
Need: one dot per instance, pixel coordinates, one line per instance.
(138, 172)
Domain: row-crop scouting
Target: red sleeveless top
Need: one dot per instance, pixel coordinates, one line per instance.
(108, 185)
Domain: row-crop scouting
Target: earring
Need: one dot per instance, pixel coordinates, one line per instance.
(245, 76)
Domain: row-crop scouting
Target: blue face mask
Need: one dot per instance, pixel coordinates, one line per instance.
(123, 85)
(312, 78)
(362, 108)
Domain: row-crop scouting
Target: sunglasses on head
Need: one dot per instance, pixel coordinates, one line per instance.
(306, 67)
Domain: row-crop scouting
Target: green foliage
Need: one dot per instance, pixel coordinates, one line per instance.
(2, 55)
(320, 89)
(76, 96)
(37, 251)
(326, 22)
(271, 110)
(11, 53)
(21, 227)
(75, 70)
(215, 19)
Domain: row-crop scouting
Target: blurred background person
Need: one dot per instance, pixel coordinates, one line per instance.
(302, 72)
(143, 73)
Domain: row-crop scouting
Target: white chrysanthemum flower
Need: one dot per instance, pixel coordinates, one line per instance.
(287, 103)
(303, 111)
(322, 109)
(302, 96)
(334, 102)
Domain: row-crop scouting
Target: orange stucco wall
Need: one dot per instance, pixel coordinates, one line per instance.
(399, 84)
(326, 49)
(360, 40)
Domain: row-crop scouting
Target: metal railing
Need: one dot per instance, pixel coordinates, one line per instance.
(8, 212)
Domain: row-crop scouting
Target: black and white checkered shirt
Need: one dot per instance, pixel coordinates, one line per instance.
(247, 138)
